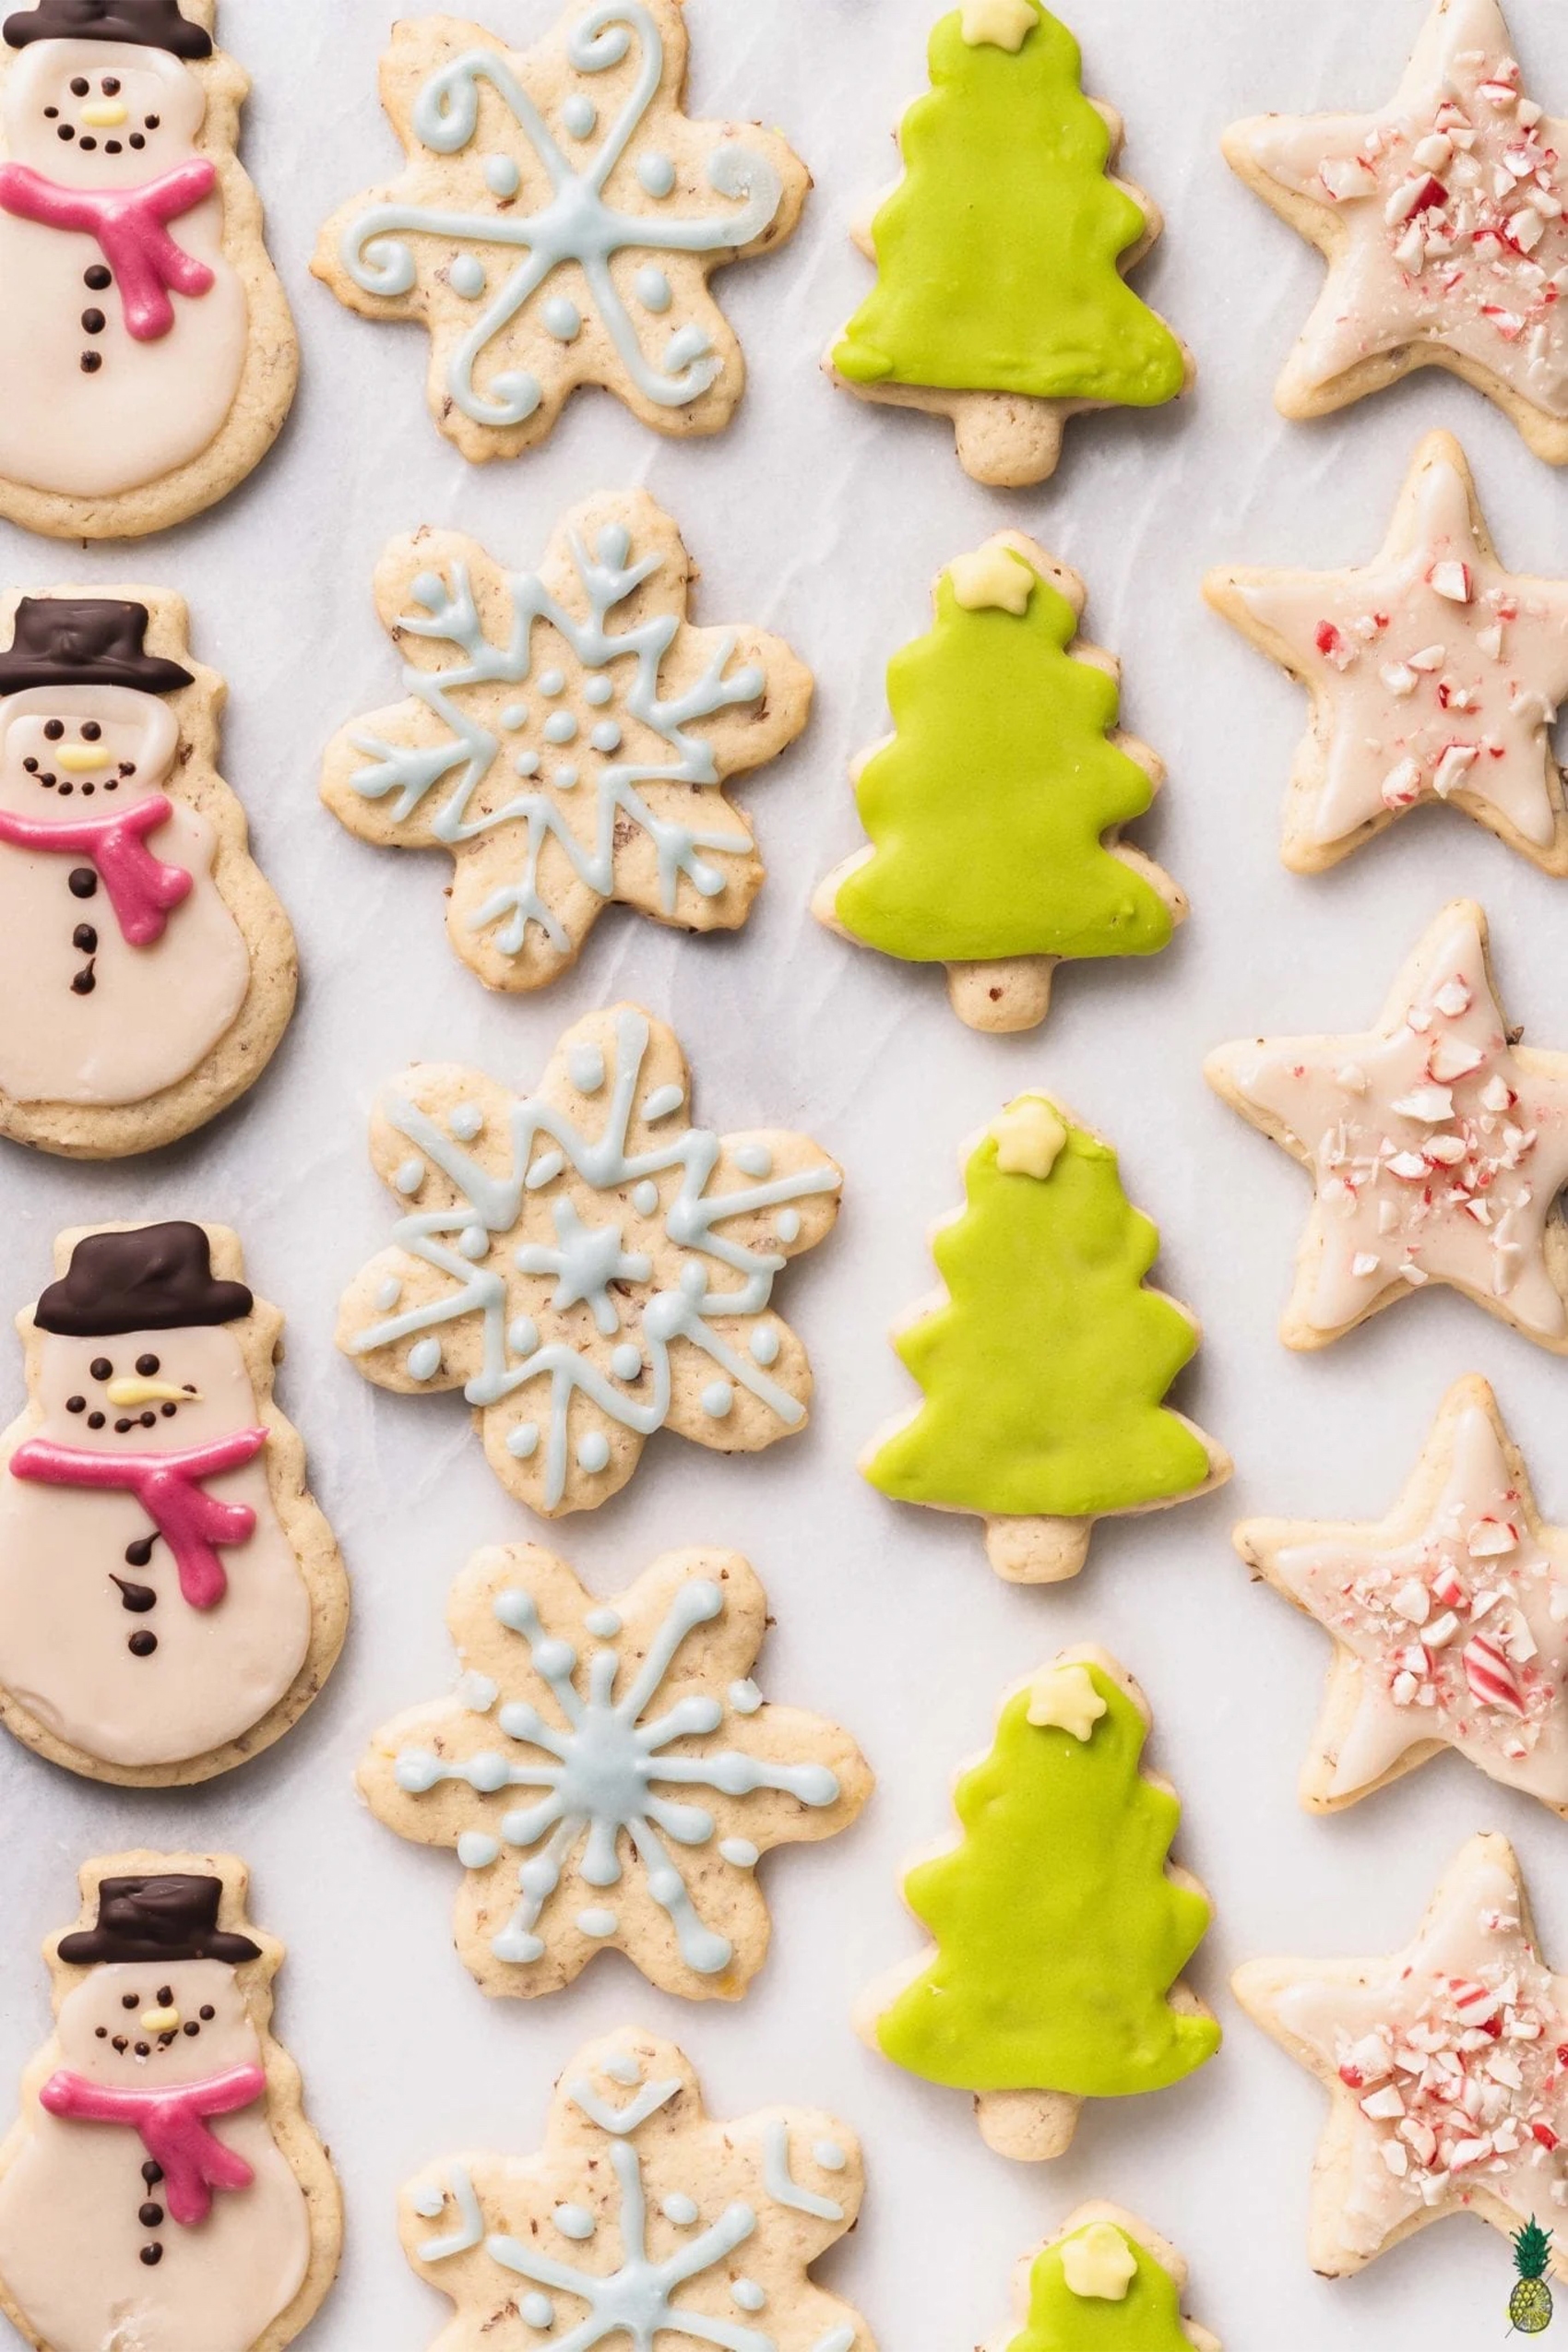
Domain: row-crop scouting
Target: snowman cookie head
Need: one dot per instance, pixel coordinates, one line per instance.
(102, 94)
(137, 1348)
(84, 728)
(159, 2003)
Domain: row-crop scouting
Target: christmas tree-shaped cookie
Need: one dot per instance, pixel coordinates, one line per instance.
(1060, 1930)
(993, 808)
(1045, 1364)
(1000, 299)
(1105, 2283)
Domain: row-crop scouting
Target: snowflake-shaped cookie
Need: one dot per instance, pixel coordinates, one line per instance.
(558, 221)
(566, 737)
(586, 1264)
(609, 1775)
(641, 2218)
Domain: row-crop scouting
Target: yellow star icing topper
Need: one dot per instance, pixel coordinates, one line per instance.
(1099, 2262)
(1003, 23)
(1029, 1137)
(992, 576)
(1064, 1699)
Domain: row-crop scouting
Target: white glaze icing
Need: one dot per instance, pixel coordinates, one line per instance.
(152, 406)
(1461, 1631)
(1426, 1170)
(1440, 672)
(154, 1011)
(70, 2237)
(63, 1629)
(1448, 205)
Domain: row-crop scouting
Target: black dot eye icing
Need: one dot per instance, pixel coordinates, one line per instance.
(101, 1367)
(52, 730)
(91, 732)
(110, 86)
(146, 1366)
(130, 2000)
(152, 122)
(80, 86)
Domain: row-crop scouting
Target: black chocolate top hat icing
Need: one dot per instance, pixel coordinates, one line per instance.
(157, 1277)
(149, 24)
(149, 1919)
(84, 641)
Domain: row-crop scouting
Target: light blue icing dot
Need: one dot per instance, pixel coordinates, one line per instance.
(656, 174)
(516, 1945)
(416, 1771)
(662, 1102)
(502, 176)
(602, 1623)
(477, 1849)
(829, 2155)
(653, 289)
(522, 1335)
(410, 1176)
(644, 1197)
(744, 1697)
(565, 778)
(789, 1224)
(593, 1451)
(424, 1359)
(388, 1296)
(687, 343)
(516, 715)
(466, 276)
(718, 1399)
(520, 392)
(428, 2203)
(585, 1064)
(553, 682)
(474, 1241)
(488, 1772)
(429, 590)
(545, 1170)
(626, 1363)
(741, 1852)
(746, 2293)
(574, 2221)
(705, 878)
(579, 114)
(560, 726)
(614, 544)
(598, 690)
(753, 1160)
(596, 1921)
(563, 318)
(764, 1344)
(526, 764)
(679, 2209)
(467, 1122)
(606, 736)
(749, 683)
(538, 2311)
(523, 1441)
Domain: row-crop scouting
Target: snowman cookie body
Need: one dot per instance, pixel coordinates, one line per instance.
(150, 357)
(171, 1599)
(203, 2246)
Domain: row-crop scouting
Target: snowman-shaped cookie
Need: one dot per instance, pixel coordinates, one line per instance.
(148, 353)
(146, 968)
(161, 2189)
(170, 1596)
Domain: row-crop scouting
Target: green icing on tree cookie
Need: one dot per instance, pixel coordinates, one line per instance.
(1044, 1367)
(1148, 2318)
(1058, 1933)
(996, 253)
(986, 809)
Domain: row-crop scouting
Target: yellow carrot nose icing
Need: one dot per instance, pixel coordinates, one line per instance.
(159, 2021)
(80, 759)
(104, 115)
(149, 1392)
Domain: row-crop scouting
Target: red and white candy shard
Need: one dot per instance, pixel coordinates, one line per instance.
(1449, 203)
(1437, 1150)
(1457, 1634)
(1451, 2056)
(1436, 671)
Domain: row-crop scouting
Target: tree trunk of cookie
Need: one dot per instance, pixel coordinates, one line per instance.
(1013, 993)
(1038, 1551)
(1029, 2126)
(1006, 438)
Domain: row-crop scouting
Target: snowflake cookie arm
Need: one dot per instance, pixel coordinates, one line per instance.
(557, 222)
(608, 1775)
(567, 737)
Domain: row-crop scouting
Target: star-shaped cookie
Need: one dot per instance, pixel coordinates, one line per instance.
(1437, 1148)
(1444, 2064)
(1435, 673)
(1449, 1617)
(1442, 218)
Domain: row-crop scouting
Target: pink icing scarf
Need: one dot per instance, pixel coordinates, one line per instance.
(169, 1489)
(129, 226)
(172, 2124)
(141, 887)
